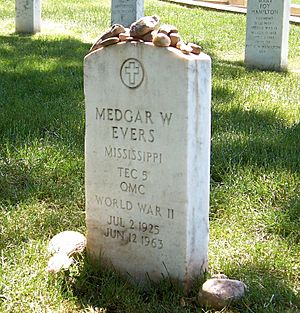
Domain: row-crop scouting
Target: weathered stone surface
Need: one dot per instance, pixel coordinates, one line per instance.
(217, 293)
(147, 155)
(28, 16)
(68, 242)
(161, 40)
(144, 25)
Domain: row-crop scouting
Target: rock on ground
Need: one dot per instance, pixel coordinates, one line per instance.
(217, 293)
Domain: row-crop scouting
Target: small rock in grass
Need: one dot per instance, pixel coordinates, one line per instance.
(217, 293)
(58, 262)
(67, 242)
(143, 26)
(63, 246)
(161, 40)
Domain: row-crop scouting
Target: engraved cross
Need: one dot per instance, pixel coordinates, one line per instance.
(132, 69)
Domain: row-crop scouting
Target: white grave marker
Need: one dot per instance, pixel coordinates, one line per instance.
(125, 12)
(28, 16)
(267, 34)
(148, 160)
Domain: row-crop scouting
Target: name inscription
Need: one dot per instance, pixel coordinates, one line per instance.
(129, 116)
(133, 182)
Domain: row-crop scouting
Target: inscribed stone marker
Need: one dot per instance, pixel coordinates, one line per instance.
(125, 12)
(28, 16)
(147, 160)
(267, 34)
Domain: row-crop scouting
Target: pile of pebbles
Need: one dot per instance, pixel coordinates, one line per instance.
(146, 29)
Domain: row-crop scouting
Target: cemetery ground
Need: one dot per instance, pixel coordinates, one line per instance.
(255, 172)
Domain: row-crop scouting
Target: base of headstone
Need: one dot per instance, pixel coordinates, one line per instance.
(267, 34)
(147, 160)
(28, 16)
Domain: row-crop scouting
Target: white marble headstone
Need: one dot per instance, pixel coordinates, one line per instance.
(147, 155)
(125, 12)
(28, 16)
(267, 34)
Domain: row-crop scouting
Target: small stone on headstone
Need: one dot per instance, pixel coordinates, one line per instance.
(114, 31)
(183, 47)
(161, 40)
(124, 36)
(149, 36)
(167, 29)
(175, 38)
(195, 48)
(144, 25)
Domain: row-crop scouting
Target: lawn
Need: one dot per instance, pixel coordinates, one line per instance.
(255, 172)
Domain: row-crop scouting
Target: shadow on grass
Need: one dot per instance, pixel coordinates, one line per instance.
(41, 87)
(255, 140)
(42, 107)
(97, 286)
(104, 288)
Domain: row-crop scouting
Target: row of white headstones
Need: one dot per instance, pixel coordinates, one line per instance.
(266, 35)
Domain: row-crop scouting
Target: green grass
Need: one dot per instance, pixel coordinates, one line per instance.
(255, 179)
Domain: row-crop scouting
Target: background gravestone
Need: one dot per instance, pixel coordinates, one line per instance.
(28, 16)
(267, 34)
(147, 160)
(125, 12)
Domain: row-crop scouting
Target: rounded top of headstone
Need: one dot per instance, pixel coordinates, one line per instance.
(140, 46)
